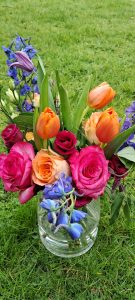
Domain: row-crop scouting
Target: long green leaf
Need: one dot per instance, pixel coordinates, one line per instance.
(24, 121)
(40, 72)
(81, 105)
(65, 108)
(37, 139)
(118, 141)
(44, 98)
(41, 76)
(115, 208)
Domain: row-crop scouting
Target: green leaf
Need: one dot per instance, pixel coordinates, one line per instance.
(126, 211)
(65, 108)
(37, 139)
(115, 208)
(24, 121)
(41, 73)
(128, 153)
(44, 97)
(117, 142)
(81, 106)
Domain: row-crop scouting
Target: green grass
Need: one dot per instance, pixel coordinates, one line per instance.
(77, 37)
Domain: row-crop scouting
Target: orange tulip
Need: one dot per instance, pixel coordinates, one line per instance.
(108, 126)
(101, 95)
(48, 124)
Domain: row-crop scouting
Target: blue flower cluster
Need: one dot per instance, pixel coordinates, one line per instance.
(25, 81)
(60, 213)
(129, 121)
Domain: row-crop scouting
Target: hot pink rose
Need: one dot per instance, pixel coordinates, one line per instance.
(16, 170)
(89, 169)
(11, 135)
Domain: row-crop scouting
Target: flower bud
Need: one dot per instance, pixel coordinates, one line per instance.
(101, 95)
(48, 124)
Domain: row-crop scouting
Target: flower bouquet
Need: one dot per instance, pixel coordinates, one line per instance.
(70, 156)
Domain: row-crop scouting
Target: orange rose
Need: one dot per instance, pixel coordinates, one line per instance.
(101, 95)
(48, 124)
(108, 126)
(89, 127)
(47, 167)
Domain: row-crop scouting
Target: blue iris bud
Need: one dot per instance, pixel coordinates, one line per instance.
(49, 204)
(75, 230)
(62, 218)
(77, 215)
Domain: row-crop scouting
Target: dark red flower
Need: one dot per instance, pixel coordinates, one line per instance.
(82, 201)
(65, 143)
(117, 168)
(11, 135)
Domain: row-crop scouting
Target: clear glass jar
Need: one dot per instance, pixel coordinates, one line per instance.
(60, 243)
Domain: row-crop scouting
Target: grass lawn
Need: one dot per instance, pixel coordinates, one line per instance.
(77, 37)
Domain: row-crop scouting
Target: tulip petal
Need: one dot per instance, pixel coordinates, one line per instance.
(26, 195)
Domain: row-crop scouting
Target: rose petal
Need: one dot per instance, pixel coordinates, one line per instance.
(24, 148)
(26, 195)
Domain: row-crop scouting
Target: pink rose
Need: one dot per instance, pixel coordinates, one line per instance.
(16, 170)
(89, 169)
(11, 135)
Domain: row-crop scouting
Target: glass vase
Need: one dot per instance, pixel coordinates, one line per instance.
(60, 243)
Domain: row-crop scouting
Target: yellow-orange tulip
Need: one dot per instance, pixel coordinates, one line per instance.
(48, 124)
(101, 95)
(108, 126)
(89, 127)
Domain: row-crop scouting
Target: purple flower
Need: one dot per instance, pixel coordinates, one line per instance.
(26, 106)
(10, 54)
(131, 108)
(19, 43)
(23, 62)
(12, 72)
(30, 51)
(25, 89)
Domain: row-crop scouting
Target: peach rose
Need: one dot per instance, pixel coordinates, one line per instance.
(89, 127)
(48, 166)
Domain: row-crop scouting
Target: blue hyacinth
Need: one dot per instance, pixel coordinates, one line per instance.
(59, 189)
(129, 121)
(58, 201)
(19, 75)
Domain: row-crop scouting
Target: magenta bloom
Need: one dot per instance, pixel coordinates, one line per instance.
(16, 170)
(23, 62)
(65, 142)
(11, 135)
(89, 169)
